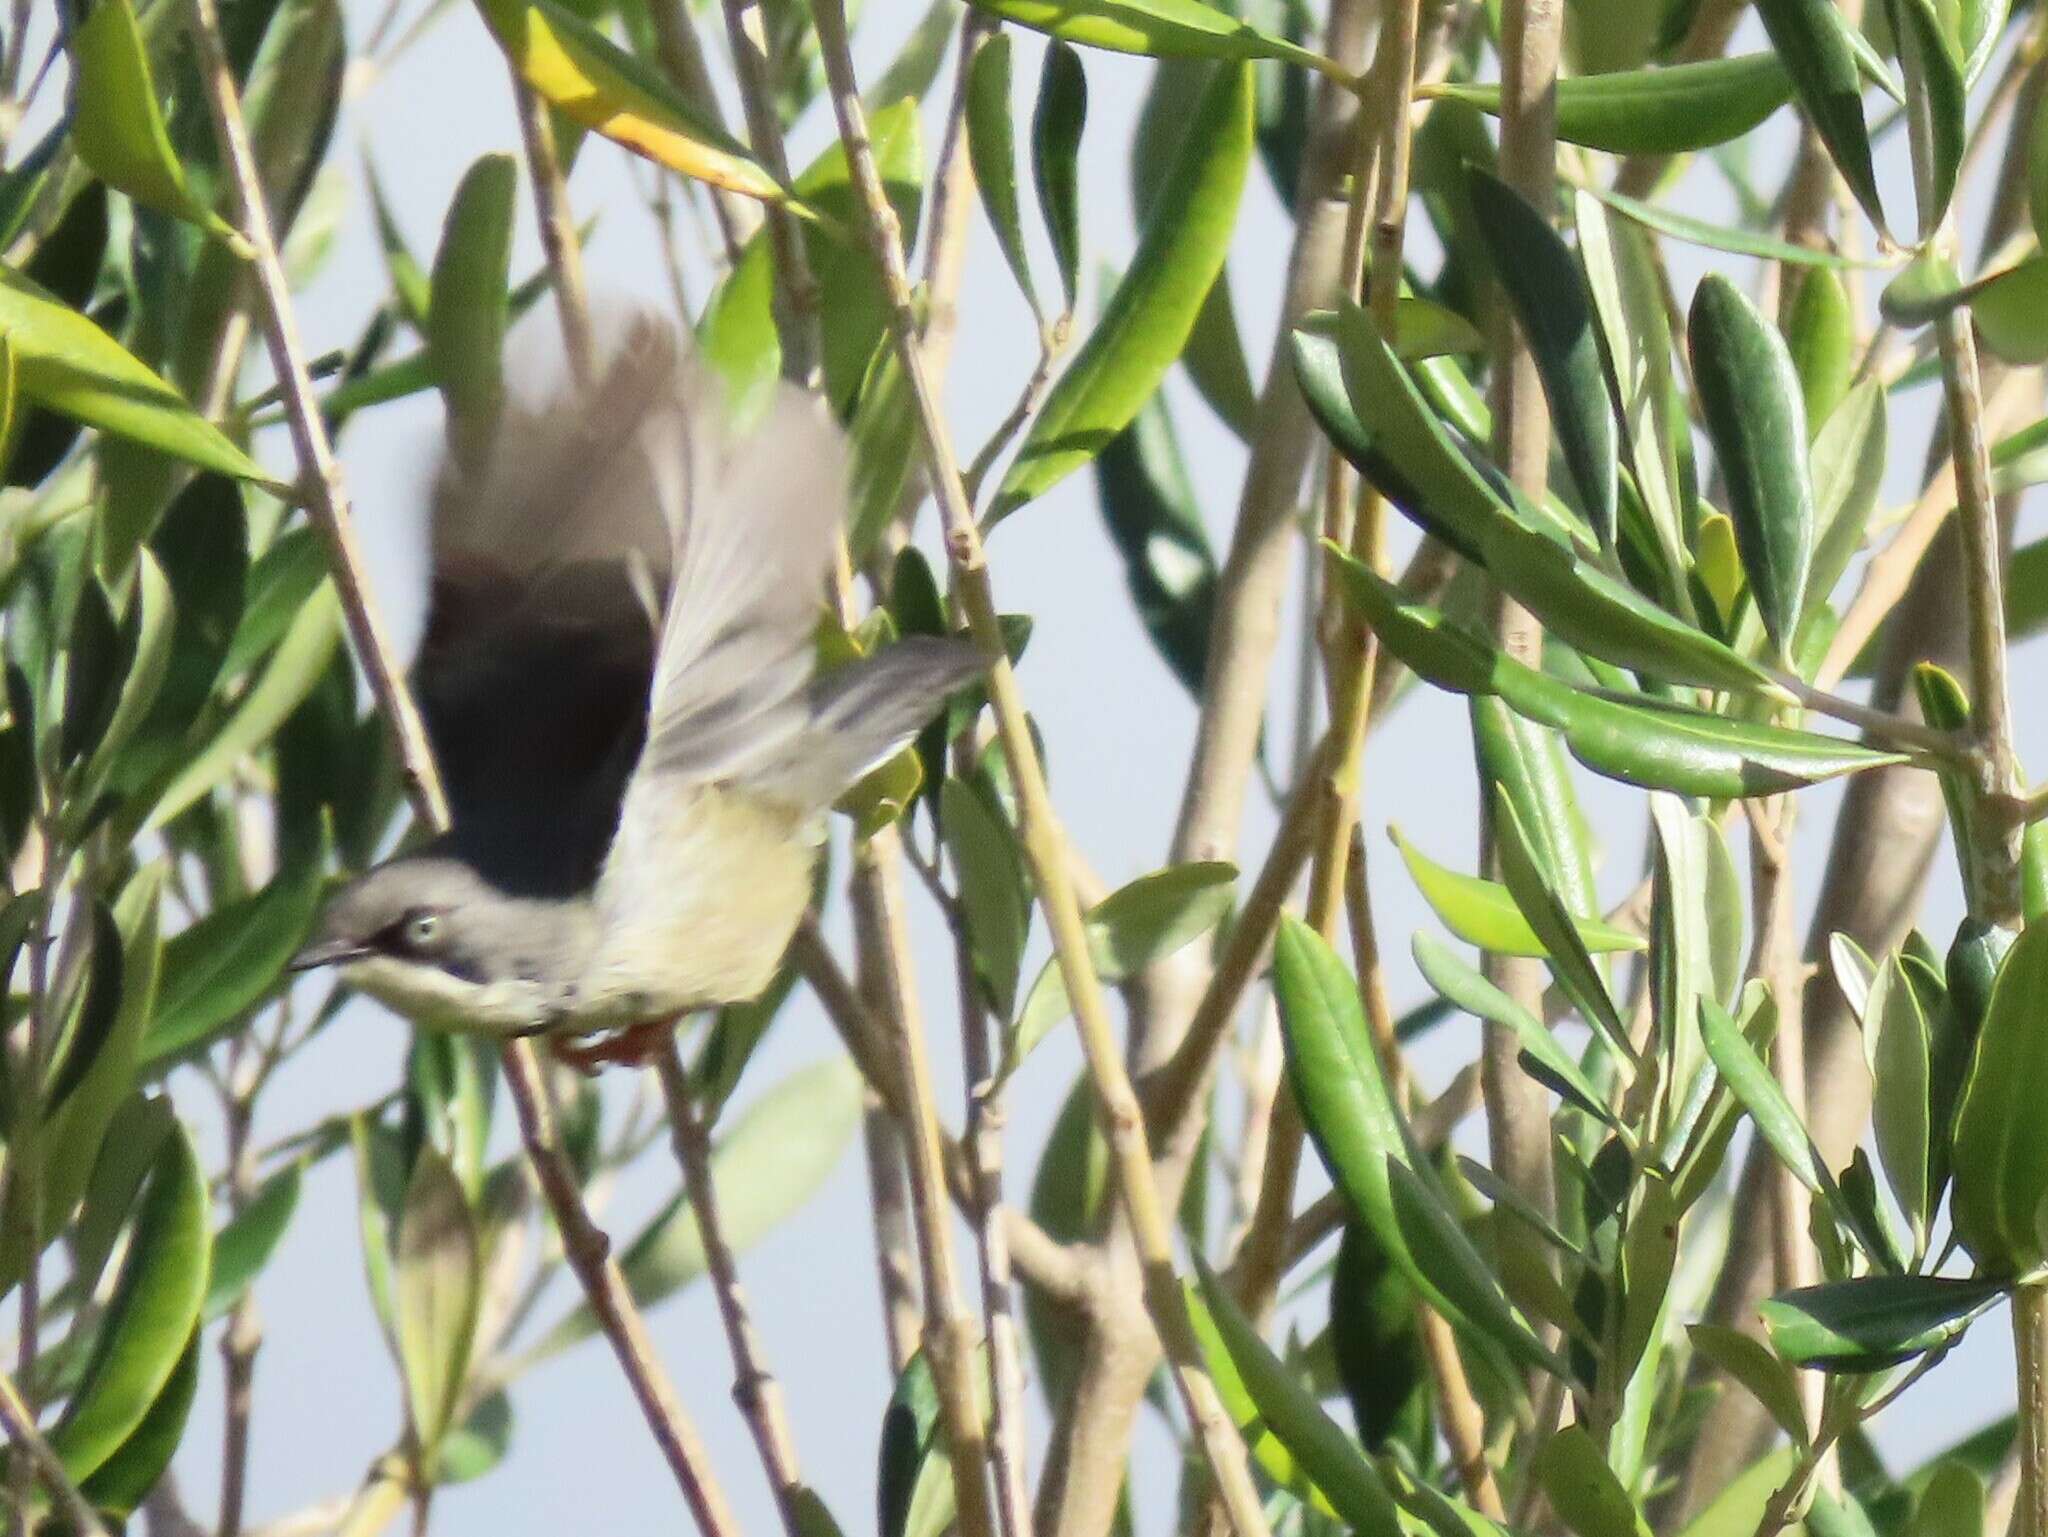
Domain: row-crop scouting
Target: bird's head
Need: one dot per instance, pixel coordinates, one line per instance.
(430, 938)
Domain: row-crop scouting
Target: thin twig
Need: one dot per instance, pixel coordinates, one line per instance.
(681, 52)
(21, 1430)
(949, 1333)
(1518, 1121)
(320, 474)
(754, 1387)
(1043, 841)
(557, 229)
(588, 1252)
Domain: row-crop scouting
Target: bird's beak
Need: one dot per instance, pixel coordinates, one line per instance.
(325, 952)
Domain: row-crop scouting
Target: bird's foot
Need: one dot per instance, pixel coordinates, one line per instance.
(635, 1046)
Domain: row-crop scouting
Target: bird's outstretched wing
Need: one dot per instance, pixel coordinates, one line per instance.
(549, 560)
(744, 745)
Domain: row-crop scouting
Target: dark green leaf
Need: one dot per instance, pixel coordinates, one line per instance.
(1160, 28)
(1056, 124)
(1750, 395)
(437, 1286)
(1149, 506)
(993, 893)
(2001, 1139)
(244, 1246)
(1377, 1345)
(991, 146)
(1336, 1076)
(1752, 1084)
(1553, 923)
(123, 1481)
(1548, 291)
(466, 324)
(1333, 1465)
(231, 959)
(1946, 101)
(1666, 111)
(149, 1323)
(1583, 1489)
(1873, 1321)
(1146, 322)
(1818, 50)
(1952, 1504)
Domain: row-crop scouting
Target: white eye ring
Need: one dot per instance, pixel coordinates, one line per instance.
(421, 928)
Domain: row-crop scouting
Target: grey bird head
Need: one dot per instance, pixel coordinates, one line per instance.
(427, 935)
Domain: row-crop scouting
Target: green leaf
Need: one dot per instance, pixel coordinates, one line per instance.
(1947, 102)
(1665, 111)
(1896, 1046)
(1752, 1084)
(1159, 28)
(1149, 506)
(466, 321)
(1328, 1458)
(1548, 291)
(1583, 1489)
(1483, 913)
(231, 959)
(1395, 438)
(67, 363)
(2001, 1139)
(1377, 1345)
(1847, 460)
(1146, 321)
(736, 334)
(1628, 300)
(1952, 1504)
(1640, 740)
(2011, 311)
(594, 82)
(117, 130)
(993, 893)
(294, 667)
(1820, 335)
(1337, 1081)
(410, 285)
(1816, 46)
(1715, 237)
(244, 1246)
(1873, 1321)
(2037, 171)
(437, 1286)
(74, 1132)
(1750, 395)
(1768, 1379)
(768, 1165)
(1740, 1506)
(121, 1483)
(477, 1445)
(992, 149)
(1138, 923)
(150, 1321)
(883, 442)
(1469, 990)
(1554, 926)
(1056, 123)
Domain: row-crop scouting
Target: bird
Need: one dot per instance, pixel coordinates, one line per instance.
(618, 680)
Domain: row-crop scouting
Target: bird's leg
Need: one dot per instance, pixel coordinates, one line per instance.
(634, 1046)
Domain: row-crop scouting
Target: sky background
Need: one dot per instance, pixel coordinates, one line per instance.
(1117, 727)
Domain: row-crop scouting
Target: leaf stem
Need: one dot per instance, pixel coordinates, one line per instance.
(754, 1388)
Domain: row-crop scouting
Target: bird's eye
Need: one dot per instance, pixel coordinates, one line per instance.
(421, 929)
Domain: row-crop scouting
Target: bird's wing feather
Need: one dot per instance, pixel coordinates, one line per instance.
(744, 745)
(532, 673)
